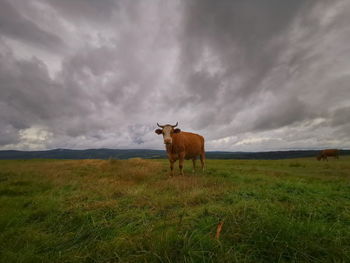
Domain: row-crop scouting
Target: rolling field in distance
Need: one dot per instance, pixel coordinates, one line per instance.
(293, 210)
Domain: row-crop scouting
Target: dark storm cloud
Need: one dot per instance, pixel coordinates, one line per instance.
(67, 105)
(91, 11)
(243, 37)
(290, 110)
(8, 134)
(240, 34)
(14, 25)
(97, 94)
(137, 132)
(248, 75)
(30, 97)
(251, 66)
(340, 116)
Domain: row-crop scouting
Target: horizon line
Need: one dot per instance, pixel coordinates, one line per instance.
(138, 149)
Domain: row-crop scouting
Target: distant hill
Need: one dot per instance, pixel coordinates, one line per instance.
(150, 154)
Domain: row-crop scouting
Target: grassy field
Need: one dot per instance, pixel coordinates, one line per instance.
(295, 210)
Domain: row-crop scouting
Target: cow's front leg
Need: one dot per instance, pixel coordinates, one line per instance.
(171, 167)
(181, 163)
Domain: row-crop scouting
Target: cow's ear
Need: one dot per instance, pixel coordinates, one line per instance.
(177, 130)
(158, 131)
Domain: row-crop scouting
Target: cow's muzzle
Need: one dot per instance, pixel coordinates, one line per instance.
(167, 141)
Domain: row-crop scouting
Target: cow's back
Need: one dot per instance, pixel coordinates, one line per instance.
(192, 144)
(330, 152)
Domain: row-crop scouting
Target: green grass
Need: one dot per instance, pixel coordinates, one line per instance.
(132, 211)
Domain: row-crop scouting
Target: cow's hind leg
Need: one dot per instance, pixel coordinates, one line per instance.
(194, 165)
(202, 158)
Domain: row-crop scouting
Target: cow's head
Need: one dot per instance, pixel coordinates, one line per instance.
(167, 131)
(319, 157)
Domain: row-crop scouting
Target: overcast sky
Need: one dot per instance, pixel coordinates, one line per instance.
(248, 75)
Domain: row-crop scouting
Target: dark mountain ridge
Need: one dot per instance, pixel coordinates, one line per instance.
(151, 154)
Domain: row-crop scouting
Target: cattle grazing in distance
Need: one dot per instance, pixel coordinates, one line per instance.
(328, 152)
(181, 145)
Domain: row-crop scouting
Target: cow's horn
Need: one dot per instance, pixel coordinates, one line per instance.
(175, 125)
(161, 126)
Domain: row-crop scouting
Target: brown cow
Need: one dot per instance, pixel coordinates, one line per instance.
(182, 145)
(328, 152)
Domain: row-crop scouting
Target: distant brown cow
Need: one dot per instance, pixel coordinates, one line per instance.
(182, 145)
(328, 152)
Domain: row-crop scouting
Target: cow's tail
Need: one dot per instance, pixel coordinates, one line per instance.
(202, 156)
(202, 146)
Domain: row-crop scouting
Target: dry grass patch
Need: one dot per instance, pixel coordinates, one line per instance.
(135, 169)
(178, 183)
(98, 205)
